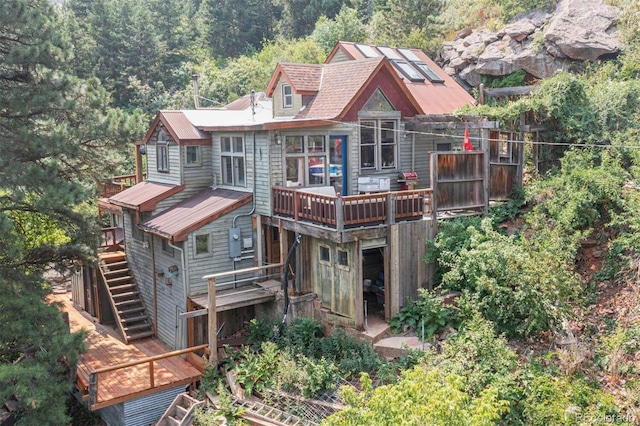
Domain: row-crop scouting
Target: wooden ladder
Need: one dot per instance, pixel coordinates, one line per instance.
(180, 412)
(131, 316)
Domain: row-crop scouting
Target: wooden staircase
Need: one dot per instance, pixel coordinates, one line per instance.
(180, 412)
(131, 316)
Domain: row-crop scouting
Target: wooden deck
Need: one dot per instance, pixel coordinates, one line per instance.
(106, 350)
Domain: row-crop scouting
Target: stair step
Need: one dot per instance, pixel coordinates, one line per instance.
(115, 262)
(124, 279)
(173, 421)
(130, 310)
(140, 335)
(181, 412)
(133, 319)
(122, 287)
(128, 302)
(116, 273)
(137, 327)
(127, 294)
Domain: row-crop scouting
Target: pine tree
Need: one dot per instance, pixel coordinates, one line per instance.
(57, 138)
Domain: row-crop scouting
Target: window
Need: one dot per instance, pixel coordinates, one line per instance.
(443, 146)
(201, 244)
(306, 160)
(378, 144)
(343, 258)
(325, 255)
(193, 156)
(162, 152)
(287, 96)
(232, 157)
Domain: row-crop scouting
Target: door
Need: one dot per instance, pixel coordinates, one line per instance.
(338, 170)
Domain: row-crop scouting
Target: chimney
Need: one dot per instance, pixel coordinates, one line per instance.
(196, 95)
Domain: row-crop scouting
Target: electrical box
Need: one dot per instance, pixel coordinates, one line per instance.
(247, 243)
(235, 243)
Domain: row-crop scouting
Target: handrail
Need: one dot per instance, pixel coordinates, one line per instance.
(109, 237)
(94, 374)
(341, 212)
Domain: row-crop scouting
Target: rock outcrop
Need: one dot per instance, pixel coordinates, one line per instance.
(538, 42)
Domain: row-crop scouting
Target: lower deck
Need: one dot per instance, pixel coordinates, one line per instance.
(117, 372)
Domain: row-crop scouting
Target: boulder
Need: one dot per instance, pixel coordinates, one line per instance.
(583, 31)
(538, 42)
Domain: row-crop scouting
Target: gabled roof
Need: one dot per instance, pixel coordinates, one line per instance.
(338, 85)
(177, 222)
(303, 78)
(181, 129)
(145, 195)
(438, 97)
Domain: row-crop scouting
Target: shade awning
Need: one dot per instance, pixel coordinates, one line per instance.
(144, 196)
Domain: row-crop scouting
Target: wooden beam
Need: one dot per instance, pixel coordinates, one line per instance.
(213, 322)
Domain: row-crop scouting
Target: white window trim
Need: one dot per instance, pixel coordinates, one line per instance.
(304, 157)
(377, 144)
(287, 99)
(233, 155)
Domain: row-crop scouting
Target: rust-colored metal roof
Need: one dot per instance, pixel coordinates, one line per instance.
(145, 195)
(433, 97)
(189, 215)
(182, 131)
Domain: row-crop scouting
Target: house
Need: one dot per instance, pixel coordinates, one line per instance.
(329, 157)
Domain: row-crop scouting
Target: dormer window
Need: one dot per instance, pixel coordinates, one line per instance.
(162, 152)
(287, 96)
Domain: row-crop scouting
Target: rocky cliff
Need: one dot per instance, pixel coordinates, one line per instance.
(538, 42)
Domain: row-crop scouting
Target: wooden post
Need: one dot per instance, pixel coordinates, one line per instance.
(93, 389)
(138, 161)
(213, 323)
(391, 209)
(339, 214)
(152, 379)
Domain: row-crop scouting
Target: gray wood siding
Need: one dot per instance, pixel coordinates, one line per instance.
(268, 170)
(278, 109)
(218, 259)
(174, 174)
(424, 145)
(340, 56)
(200, 176)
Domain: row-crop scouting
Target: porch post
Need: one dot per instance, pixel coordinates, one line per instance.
(213, 323)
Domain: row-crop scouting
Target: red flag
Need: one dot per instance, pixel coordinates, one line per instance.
(466, 143)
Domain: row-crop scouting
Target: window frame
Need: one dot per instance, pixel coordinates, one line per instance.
(235, 158)
(322, 250)
(196, 253)
(198, 157)
(299, 152)
(162, 152)
(287, 96)
(379, 144)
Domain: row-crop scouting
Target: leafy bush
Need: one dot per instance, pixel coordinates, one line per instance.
(523, 286)
(428, 308)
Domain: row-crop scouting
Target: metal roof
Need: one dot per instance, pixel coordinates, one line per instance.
(435, 97)
(177, 222)
(145, 195)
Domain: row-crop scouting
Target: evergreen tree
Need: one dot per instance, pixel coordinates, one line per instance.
(57, 137)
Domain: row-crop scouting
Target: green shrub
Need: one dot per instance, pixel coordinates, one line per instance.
(427, 310)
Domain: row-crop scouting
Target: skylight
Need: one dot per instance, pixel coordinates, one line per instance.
(410, 72)
(407, 53)
(424, 69)
(367, 51)
(428, 72)
(389, 52)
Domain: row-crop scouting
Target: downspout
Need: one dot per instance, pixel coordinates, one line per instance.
(184, 284)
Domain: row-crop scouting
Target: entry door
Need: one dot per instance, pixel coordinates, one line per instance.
(338, 166)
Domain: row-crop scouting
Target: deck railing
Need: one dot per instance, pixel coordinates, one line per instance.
(116, 185)
(352, 210)
(109, 238)
(93, 375)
